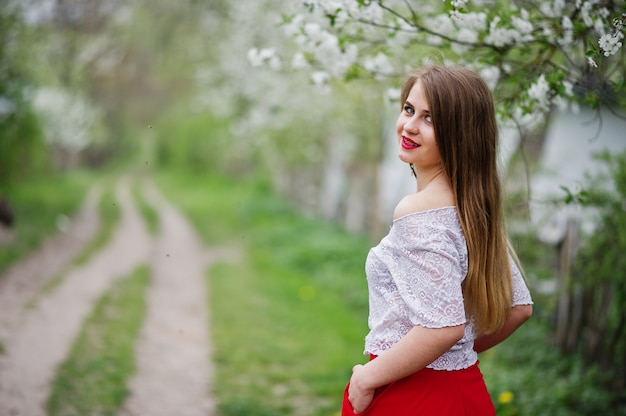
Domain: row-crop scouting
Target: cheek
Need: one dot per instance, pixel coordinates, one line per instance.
(429, 130)
(399, 126)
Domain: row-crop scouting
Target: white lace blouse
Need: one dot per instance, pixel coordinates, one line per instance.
(414, 277)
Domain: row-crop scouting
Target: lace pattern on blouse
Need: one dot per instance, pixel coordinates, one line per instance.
(414, 278)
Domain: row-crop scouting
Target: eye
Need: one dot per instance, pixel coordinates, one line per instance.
(428, 118)
(408, 109)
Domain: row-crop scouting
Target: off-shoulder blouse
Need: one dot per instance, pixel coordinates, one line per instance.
(414, 277)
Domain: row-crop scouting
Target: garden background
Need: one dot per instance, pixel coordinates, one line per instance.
(256, 137)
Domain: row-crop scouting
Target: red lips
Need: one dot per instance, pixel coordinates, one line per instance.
(408, 143)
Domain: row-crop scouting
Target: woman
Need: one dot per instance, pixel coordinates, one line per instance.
(442, 284)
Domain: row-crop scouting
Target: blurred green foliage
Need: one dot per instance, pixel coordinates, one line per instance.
(196, 142)
(542, 381)
(23, 151)
(599, 275)
(40, 207)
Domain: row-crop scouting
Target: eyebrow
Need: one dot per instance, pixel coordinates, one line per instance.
(424, 111)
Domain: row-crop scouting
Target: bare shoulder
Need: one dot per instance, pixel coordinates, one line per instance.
(422, 201)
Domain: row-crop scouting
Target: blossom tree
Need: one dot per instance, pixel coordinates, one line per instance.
(534, 54)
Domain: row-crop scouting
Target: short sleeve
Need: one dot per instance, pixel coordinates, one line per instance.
(521, 294)
(428, 269)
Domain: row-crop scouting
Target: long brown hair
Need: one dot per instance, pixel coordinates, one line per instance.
(466, 131)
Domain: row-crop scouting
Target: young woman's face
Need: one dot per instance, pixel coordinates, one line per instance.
(416, 133)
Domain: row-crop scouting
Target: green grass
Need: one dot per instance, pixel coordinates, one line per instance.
(287, 346)
(92, 380)
(39, 207)
(215, 206)
(149, 214)
(110, 214)
(542, 382)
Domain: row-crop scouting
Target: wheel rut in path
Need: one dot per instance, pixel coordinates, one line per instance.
(174, 374)
(24, 280)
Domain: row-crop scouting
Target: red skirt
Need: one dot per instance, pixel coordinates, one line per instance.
(431, 392)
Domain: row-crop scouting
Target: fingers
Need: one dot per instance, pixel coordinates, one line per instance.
(360, 405)
(359, 400)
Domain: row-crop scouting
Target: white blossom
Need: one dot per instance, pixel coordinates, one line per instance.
(470, 20)
(526, 120)
(491, 76)
(568, 32)
(320, 77)
(465, 35)
(564, 102)
(500, 36)
(441, 24)
(321, 80)
(371, 12)
(611, 44)
(538, 93)
(393, 94)
(591, 62)
(402, 35)
(604, 13)
(547, 32)
(265, 56)
(569, 88)
(523, 25)
(331, 6)
(599, 26)
(299, 61)
(378, 65)
(552, 9)
(585, 11)
(293, 27)
(68, 119)
(457, 17)
(475, 21)
(313, 31)
(324, 46)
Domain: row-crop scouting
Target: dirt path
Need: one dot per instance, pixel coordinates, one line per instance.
(173, 352)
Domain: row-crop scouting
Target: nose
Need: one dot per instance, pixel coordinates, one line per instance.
(411, 125)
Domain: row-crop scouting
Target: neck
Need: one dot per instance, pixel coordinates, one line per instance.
(425, 178)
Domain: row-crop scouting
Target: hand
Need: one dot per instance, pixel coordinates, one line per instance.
(359, 396)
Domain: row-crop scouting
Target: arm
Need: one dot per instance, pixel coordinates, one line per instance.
(414, 351)
(519, 315)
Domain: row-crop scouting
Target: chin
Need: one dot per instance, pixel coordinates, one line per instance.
(403, 158)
